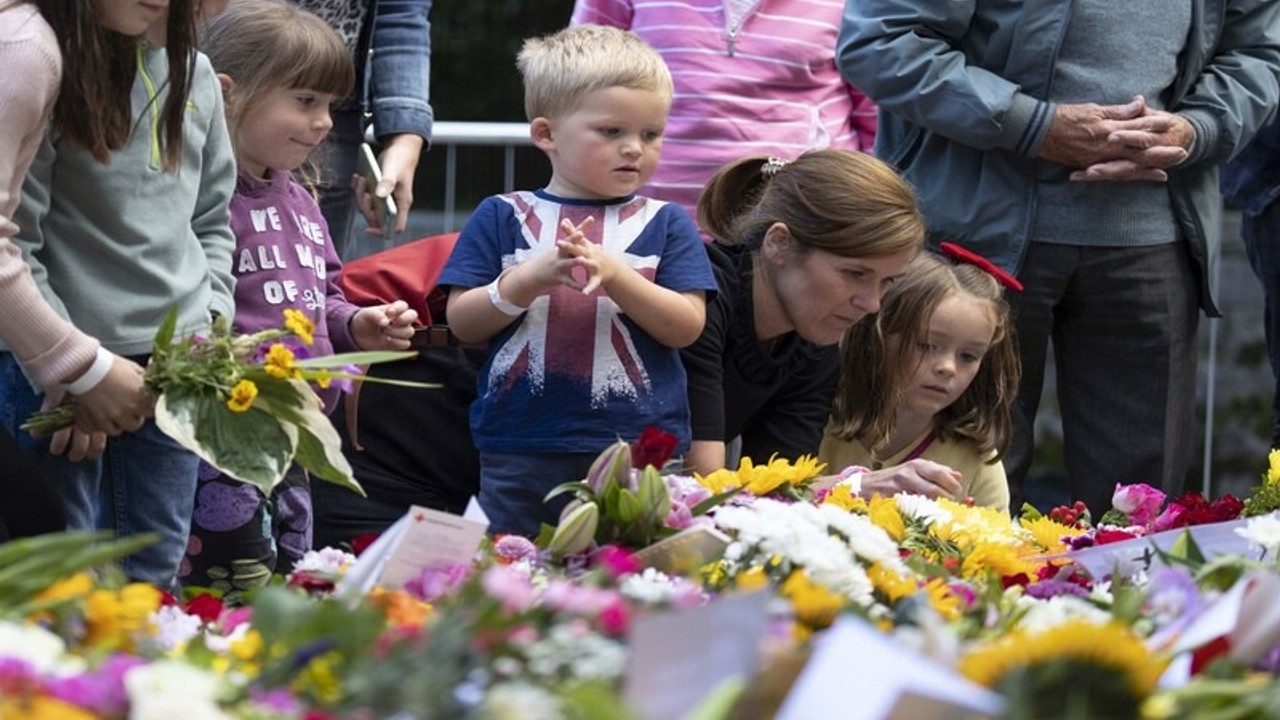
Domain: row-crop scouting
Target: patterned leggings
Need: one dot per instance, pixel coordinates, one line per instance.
(240, 538)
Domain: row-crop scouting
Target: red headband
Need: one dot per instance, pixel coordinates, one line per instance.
(959, 254)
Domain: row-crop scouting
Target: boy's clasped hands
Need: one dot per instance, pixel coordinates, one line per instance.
(577, 262)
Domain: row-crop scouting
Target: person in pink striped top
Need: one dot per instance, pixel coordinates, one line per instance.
(752, 77)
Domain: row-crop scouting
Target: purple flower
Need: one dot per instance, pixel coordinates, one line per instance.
(1173, 599)
(513, 548)
(276, 700)
(100, 690)
(344, 384)
(1046, 589)
(16, 676)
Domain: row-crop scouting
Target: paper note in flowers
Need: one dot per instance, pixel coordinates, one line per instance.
(858, 673)
(1132, 556)
(678, 658)
(684, 552)
(422, 539)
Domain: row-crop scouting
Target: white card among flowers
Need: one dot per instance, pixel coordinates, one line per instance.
(422, 539)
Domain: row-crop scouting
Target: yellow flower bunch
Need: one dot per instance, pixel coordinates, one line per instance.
(114, 618)
(1048, 534)
(883, 512)
(319, 679)
(892, 585)
(842, 496)
(1273, 468)
(41, 707)
(763, 479)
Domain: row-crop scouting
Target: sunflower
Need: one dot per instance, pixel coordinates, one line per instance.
(1076, 669)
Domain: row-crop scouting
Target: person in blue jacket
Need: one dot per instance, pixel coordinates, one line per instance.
(1078, 144)
(1251, 182)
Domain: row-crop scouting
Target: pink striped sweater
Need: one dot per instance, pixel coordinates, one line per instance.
(765, 83)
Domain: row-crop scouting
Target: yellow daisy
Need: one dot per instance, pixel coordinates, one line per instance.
(242, 396)
(299, 324)
(280, 361)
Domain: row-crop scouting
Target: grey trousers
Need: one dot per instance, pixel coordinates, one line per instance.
(1123, 327)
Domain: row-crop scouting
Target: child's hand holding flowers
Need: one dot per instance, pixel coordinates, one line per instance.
(243, 403)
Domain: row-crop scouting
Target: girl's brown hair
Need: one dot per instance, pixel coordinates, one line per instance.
(846, 203)
(265, 45)
(94, 109)
(878, 356)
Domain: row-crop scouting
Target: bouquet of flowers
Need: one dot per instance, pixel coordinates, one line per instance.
(244, 403)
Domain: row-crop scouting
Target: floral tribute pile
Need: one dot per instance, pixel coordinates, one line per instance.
(538, 630)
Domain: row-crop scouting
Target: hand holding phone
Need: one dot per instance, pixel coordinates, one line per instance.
(384, 208)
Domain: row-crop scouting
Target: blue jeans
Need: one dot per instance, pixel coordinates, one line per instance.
(512, 488)
(144, 483)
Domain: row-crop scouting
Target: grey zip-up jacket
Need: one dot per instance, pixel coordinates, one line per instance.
(962, 88)
(114, 245)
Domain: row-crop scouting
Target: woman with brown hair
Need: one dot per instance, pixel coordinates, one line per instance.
(804, 249)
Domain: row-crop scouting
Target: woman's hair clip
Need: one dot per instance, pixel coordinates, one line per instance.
(959, 254)
(773, 166)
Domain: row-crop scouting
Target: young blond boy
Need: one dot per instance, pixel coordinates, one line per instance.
(583, 290)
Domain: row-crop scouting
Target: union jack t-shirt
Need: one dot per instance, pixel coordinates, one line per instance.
(574, 373)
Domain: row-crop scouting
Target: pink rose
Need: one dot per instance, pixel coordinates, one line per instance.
(1139, 501)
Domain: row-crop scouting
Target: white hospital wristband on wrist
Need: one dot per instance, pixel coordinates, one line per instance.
(94, 375)
(506, 308)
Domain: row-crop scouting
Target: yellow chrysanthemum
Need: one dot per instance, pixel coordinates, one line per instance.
(299, 324)
(76, 586)
(722, 480)
(319, 679)
(943, 599)
(883, 512)
(1001, 559)
(280, 361)
(764, 479)
(1049, 535)
(842, 496)
(891, 584)
(752, 578)
(114, 618)
(1273, 469)
(1112, 646)
(41, 707)
(242, 396)
(815, 605)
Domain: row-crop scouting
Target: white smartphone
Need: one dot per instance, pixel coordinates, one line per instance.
(372, 172)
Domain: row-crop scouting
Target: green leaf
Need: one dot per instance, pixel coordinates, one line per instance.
(319, 446)
(577, 487)
(251, 446)
(164, 335)
(364, 357)
(1184, 547)
(713, 501)
(720, 702)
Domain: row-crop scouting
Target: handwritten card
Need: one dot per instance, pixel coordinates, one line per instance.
(422, 539)
(858, 673)
(680, 657)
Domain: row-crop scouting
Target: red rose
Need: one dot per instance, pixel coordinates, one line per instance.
(654, 448)
(205, 606)
(1227, 507)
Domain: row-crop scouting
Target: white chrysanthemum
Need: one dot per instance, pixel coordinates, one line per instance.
(520, 701)
(653, 587)
(868, 540)
(173, 628)
(168, 689)
(33, 644)
(1057, 610)
(573, 650)
(326, 560)
(1263, 531)
(919, 507)
(221, 644)
(800, 534)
